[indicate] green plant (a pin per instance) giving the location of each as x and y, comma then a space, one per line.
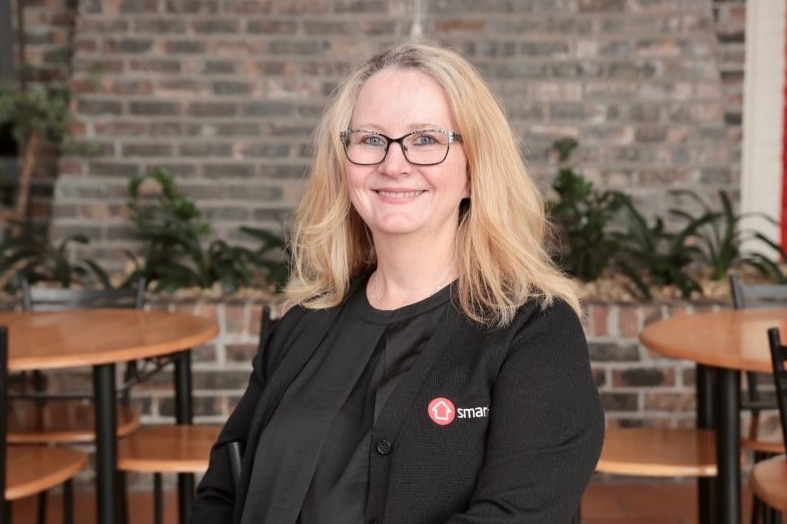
707, 244
27, 252
33, 114
722, 239
598, 232
650, 255
583, 217
177, 250
271, 257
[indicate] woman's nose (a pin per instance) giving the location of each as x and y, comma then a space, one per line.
395, 163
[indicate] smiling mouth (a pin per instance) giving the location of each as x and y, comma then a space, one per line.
399, 194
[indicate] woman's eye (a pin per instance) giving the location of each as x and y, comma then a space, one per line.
423, 140
373, 140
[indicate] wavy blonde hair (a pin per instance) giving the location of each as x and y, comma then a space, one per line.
500, 241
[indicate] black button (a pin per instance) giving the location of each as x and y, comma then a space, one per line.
384, 447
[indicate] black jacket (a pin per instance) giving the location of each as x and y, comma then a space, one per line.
526, 433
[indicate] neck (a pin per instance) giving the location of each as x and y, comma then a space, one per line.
389, 288
411, 268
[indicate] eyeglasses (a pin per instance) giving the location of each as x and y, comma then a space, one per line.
425, 147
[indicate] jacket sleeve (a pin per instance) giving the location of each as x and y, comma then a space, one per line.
546, 427
215, 498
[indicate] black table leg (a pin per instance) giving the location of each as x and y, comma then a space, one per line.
184, 415
706, 486
106, 444
728, 433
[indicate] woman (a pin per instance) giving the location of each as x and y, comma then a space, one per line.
433, 367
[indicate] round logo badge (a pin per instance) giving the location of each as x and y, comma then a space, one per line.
441, 411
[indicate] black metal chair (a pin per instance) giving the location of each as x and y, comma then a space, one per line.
46, 414
768, 477
27, 470
753, 397
42, 414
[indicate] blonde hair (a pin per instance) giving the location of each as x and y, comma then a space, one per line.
500, 241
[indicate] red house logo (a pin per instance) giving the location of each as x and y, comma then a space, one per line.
441, 411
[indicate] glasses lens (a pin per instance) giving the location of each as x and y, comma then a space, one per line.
364, 147
426, 147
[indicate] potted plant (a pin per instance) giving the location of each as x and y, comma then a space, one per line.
602, 239
178, 250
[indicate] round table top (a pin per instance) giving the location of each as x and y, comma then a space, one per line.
733, 339
58, 339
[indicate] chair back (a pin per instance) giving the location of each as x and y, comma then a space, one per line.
746, 296
778, 361
4, 506
266, 321
750, 296
58, 299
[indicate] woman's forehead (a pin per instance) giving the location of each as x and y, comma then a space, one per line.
402, 96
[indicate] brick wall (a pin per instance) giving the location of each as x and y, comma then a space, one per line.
730, 21
226, 93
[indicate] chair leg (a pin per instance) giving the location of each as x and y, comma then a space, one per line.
68, 501
122, 497
771, 516
42, 499
39, 383
158, 499
185, 496
756, 510
758, 507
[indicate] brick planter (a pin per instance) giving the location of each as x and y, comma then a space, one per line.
637, 386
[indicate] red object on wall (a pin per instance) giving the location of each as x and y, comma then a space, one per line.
784, 150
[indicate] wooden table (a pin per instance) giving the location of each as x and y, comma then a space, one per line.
722, 344
101, 338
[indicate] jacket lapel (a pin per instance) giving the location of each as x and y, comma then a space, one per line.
313, 327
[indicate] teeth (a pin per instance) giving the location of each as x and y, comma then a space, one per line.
399, 194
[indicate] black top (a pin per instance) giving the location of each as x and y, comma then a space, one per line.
525, 460
321, 431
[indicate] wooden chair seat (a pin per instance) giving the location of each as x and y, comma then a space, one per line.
768, 480
64, 421
33, 469
173, 448
658, 452
170, 448
770, 444
27, 470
